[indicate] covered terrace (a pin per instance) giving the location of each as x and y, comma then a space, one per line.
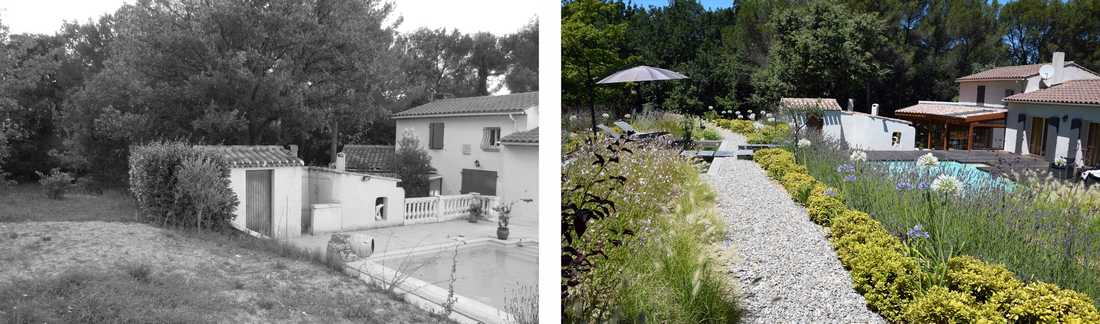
953, 125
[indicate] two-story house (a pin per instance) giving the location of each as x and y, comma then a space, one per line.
979, 120
487, 145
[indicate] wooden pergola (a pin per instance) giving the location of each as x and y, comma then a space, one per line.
936, 114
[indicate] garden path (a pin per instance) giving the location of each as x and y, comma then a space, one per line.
786, 269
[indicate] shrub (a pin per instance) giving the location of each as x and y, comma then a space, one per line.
154, 181
413, 165
739, 126
56, 183
1041, 302
799, 185
823, 207
711, 134
886, 278
203, 183
940, 305
979, 279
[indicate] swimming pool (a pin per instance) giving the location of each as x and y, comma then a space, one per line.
487, 273
969, 173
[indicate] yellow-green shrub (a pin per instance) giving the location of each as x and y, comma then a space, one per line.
854, 228
886, 278
822, 207
764, 156
1040, 302
740, 126
979, 279
799, 185
940, 305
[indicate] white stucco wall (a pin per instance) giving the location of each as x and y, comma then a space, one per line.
342, 201
1063, 142
868, 132
994, 90
459, 131
286, 186
520, 180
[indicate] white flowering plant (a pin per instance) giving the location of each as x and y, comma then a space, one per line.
947, 184
858, 156
804, 143
928, 160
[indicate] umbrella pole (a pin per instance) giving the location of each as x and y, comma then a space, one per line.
591, 97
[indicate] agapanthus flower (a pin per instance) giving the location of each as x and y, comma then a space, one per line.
771, 119
573, 117
917, 232
752, 116
928, 160
1060, 162
830, 192
627, 116
858, 156
845, 168
605, 115
947, 184
710, 107
922, 186
903, 186
850, 178
804, 143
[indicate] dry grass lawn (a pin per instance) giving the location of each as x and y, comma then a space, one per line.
125, 272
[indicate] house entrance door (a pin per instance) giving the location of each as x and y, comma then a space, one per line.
1037, 136
479, 181
258, 201
1092, 146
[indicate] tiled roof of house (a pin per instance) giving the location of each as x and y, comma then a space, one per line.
949, 110
510, 103
804, 103
369, 158
248, 156
530, 136
1014, 72
1082, 92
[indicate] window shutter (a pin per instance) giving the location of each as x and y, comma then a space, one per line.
436, 140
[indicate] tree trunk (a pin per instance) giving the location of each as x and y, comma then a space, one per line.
335, 139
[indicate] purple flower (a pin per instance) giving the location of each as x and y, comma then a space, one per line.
830, 192
903, 186
923, 186
846, 168
850, 178
917, 232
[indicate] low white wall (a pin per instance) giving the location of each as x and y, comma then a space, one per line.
868, 132
286, 186
354, 195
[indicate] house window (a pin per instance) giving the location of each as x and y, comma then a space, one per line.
895, 138
981, 95
435, 136
491, 139
380, 208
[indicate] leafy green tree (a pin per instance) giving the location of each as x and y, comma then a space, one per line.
413, 166
592, 37
820, 50
487, 59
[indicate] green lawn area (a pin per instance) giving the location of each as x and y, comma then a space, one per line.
85, 259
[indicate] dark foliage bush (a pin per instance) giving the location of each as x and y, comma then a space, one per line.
178, 184
413, 165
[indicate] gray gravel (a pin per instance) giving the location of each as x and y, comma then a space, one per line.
785, 268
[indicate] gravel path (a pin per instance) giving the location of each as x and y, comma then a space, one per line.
786, 270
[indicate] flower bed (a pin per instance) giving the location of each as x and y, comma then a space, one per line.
905, 282
644, 222
757, 133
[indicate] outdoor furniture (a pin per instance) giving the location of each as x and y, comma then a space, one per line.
754, 147
1090, 175
630, 131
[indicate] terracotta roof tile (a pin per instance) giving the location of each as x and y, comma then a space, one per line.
949, 110
525, 137
510, 103
1013, 72
370, 158
1083, 92
802, 103
250, 156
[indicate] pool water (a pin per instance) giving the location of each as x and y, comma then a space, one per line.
969, 173
487, 273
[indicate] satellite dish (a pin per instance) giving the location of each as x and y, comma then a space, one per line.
1046, 71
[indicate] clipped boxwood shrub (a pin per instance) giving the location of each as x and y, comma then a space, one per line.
979, 279
887, 278
940, 305
823, 207
1040, 302
799, 185
156, 184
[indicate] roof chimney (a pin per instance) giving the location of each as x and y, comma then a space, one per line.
874, 109
294, 150
851, 104
1059, 63
341, 161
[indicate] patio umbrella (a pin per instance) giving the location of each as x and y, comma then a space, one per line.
639, 73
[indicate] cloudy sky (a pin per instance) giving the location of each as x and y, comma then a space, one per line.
495, 16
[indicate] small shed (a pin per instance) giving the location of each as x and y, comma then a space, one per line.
268, 181
856, 129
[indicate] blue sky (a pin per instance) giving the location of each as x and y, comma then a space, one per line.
709, 4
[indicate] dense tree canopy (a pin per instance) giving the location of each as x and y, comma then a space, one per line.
317, 73
891, 52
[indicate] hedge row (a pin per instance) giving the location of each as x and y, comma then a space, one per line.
890, 278
769, 134
178, 184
